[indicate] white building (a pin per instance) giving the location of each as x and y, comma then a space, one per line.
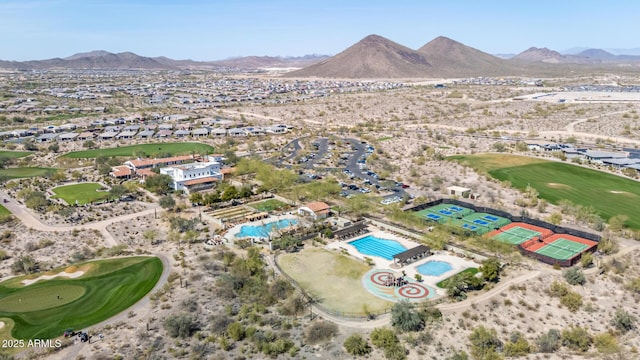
195, 176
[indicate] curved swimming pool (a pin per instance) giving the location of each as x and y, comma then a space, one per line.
263, 231
434, 268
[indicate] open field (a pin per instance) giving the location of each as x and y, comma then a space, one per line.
84, 193
335, 280
48, 307
153, 150
14, 154
23, 172
608, 194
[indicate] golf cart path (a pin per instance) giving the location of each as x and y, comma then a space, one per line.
139, 308
21, 212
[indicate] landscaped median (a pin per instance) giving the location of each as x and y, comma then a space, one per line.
44, 305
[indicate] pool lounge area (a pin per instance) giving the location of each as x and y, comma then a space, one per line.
261, 229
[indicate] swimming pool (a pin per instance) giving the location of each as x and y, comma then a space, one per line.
375, 246
264, 230
434, 268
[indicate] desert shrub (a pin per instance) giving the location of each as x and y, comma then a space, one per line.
606, 343
24, 264
490, 269
549, 342
383, 337
293, 306
572, 300
357, 345
623, 321
3, 255
484, 343
576, 338
459, 355
320, 331
517, 346
190, 305
405, 318
634, 285
181, 325
586, 260
558, 289
236, 331
574, 276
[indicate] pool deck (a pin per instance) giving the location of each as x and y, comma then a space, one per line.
457, 263
230, 235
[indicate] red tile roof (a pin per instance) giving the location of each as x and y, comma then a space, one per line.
205, 180
120, 171
318, 206
145, 172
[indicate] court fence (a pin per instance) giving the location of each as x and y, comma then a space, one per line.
555, 228
524, 250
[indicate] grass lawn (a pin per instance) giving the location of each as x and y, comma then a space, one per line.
84, 193
46, 308
4, 211
269, 205
23, 172
334, 279
152, 150
608, 194
14, 154
443, 284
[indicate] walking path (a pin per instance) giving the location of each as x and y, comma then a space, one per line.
21, 212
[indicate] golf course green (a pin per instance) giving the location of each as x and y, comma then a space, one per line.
47, 307
23, 172
152, 150
608, 194
84, 193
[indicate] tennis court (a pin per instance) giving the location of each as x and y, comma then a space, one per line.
562, 249
488, 220
516, 235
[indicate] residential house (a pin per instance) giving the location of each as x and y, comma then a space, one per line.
200, 132
145, 134
68, 136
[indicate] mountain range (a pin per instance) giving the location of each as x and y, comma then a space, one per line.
372, 57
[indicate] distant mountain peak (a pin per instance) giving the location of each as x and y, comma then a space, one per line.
90, 54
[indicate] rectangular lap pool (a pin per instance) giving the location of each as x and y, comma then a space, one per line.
375, 246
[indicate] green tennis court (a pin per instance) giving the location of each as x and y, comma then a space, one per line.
516, 235
562, 249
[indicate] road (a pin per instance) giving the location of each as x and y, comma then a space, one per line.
21, 212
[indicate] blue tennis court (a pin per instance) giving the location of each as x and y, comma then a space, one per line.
469, 227
490, 218
480, 222
434, 216
455, 208
445, 212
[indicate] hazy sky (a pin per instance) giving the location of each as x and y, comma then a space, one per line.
219, 29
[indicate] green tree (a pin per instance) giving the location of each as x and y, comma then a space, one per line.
181, 325
606, 343
617, 223
54, 148
117, 191
167, 202
383, 337
404, 317
89, 144
196, 198
490, 269
160, 184
484, 342
150, 235
574, 276
572, 300
586, 260
357, 345
229, 193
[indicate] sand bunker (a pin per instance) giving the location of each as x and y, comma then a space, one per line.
617, 192
1, 324
49, 277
